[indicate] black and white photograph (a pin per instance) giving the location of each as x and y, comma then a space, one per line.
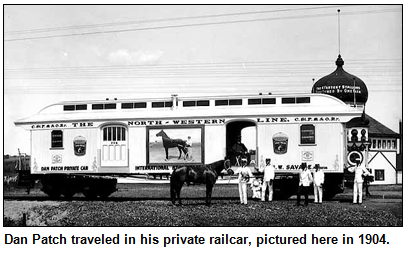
204, 115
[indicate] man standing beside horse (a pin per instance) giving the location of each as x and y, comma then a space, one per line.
244, 176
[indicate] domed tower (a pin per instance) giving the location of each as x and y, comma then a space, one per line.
353, 91
342, 85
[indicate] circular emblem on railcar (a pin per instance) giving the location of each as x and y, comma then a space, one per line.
355, 156
79, 146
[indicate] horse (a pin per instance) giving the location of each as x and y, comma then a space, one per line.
172, 143
200, 174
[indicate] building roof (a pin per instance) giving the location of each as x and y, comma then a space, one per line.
377, 129
340, 84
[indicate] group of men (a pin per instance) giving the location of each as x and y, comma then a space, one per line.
306, 180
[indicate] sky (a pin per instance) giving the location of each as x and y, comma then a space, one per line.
56, 53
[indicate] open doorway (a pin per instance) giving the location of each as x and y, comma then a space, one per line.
241, 142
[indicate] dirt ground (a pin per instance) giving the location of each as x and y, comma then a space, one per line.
384, 208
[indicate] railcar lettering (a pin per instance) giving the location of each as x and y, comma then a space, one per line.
152, 168
49, 126
177, 122
82, 124
299, 119
272, 120
64, 168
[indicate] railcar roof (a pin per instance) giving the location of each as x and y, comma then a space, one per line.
188, 107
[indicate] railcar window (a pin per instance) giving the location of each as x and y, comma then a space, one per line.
81, 107
235, 102
221, 102
161, 104
307, 134
69, 107
157, 104
97, 106
110, 106
195, 103
103, 106
127, 105
56, 139
254, 101
140, 105
114, 134
288, 100
228, 102
189, 103
303, 100
268, 101
202, 103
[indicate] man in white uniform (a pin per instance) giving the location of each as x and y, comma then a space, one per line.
304, 184
359, 170
244, 178
319, 178
268, 180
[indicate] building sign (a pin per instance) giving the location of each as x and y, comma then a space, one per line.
79, 146
307, 134
280, 143
173, 145
338, 89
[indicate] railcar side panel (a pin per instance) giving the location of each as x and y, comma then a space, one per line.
75, 152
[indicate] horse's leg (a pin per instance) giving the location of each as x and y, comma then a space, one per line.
173, 194
179, 194
180, 152
166, 154
209, 187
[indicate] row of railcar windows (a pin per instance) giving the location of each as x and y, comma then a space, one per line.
220, 102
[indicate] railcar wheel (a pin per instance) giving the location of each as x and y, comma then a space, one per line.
68, 193
90, 194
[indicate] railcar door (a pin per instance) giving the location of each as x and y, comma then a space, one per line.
114, 146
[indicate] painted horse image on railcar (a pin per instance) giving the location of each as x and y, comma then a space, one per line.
172, 143
199, 174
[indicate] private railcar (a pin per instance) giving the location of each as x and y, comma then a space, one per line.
83, 146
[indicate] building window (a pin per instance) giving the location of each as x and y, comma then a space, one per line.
307, 134
57, 139
374, 144
379, 175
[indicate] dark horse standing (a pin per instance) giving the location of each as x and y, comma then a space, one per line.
172, 143
202, 174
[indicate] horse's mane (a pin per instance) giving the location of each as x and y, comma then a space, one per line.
216, 166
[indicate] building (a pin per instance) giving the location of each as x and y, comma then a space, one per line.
383, 151
378, 146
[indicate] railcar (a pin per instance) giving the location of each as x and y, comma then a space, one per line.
83, 146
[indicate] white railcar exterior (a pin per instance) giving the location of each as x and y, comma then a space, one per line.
116, 136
